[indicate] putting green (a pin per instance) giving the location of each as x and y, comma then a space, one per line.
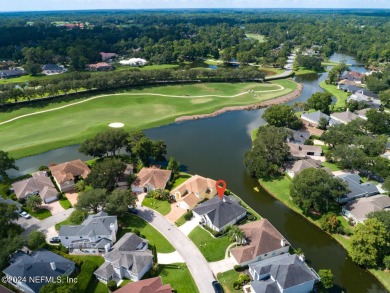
67, 123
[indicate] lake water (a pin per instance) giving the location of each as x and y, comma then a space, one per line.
215, 148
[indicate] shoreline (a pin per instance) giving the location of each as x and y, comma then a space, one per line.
283, 99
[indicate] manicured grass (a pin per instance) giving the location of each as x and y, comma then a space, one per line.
226, 279
125, 282
331, 166
340, 95
45, 131
180, 221
161, 206
40, 214
65, 222
159, 66
97, 287
65, 203
213, 249
331, 63
213, 62
269, 71
254, 134
180, 179
258, 37
382, 276
152, 235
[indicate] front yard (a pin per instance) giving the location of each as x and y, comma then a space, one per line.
226, 279
213, 249
40, 214
161, 206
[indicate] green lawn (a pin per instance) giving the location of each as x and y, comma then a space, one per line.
213, 249
340, 95
226, 279
180, 221
65, 203
38, 133
155, 238
161, 206
258, 37
269, 71
213, 62
302, 71
331, 166
40, 214
65, 222
382, 276
180, 179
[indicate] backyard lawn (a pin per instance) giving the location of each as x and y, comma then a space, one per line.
213, 249
161, 206
154, 237
137, 109
180, 179
226, 279
340, 95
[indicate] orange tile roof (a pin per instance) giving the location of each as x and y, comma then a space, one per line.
153, 176
152, 285
67, 171
196, 184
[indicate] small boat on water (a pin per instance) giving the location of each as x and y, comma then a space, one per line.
256, 189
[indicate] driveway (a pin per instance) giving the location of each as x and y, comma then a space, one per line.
175, 213
197, 264
224, 265
51, 232
188, 226
54, 207
169, 258
72, 197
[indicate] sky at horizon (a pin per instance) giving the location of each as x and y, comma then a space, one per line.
47, 5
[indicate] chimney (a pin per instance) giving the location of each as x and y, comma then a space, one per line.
283, 242
53, 265
107, 247
113, 232
301, 257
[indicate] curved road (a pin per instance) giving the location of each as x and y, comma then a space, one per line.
195, 261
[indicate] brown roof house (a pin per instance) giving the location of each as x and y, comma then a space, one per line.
151, 179
66, 174
344, 117
194, 190
301, 165
262, 240
358, 209
40, 184
304, 151
152, 285
100, 66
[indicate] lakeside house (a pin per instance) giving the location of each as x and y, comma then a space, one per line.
52, 69
217, 214
152, 285
134, 62
41, 264
95, 235
129, 258
313, 119
262, 241
14, 72
298, 137
356, 187
18, 206
150, 179
66, 174
39, 184
362, 98
353, 76
100, 66
123, 180
300, 165
193, 191
108, 56
299, 151
358, 209
282, 273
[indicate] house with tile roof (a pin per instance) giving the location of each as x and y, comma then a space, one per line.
129, 258
282, 273
358, 209
262, 241
344, 117
152, 285
353, 76
301, 165
39, 184
193, 191
356, 187
300, 151
218, 213
41, 264
66, 174
94, 235
150, 179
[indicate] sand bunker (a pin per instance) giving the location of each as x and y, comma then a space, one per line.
116, 125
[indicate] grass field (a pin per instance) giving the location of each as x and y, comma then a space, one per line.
258, 37
340, 95
161, 206
226, 279
45, 131
40, 214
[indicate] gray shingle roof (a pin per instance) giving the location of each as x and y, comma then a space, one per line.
37, 264
314, 116
287, 270
299, 136
220, 212
10, 201
358, 189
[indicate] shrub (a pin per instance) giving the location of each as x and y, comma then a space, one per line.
386, 262
241, 281
188, 216
111, 285
330, 222
77, 217
309, 142
136, 232
35, 240
227, 192
43, 168
252, 218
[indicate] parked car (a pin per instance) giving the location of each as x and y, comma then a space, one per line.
25, 215
132, 210
55, 240
217, 287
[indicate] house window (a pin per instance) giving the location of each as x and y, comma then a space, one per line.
66, 237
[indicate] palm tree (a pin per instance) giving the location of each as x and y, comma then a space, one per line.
235, 234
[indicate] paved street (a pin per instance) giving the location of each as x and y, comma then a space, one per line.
195, 261
169, 258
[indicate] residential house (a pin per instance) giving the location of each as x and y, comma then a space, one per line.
282, 273
134, 62
39, 184
344, 117
353, 76
298, 137
101, 66
151, 179
18, 206
66, 174
123, 181
301, 165
14, 72
360, 97
152, 285
51, 69
108, 56
129, 258
300, 151
218, 213
262, 241
41, 264
194, 190
357, 189
362, 113
92, 236
358, 209
312, 119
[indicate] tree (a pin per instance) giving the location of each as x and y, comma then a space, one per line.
34, 202
159, 194
282, 116
385, 98
35, 240
322, 123
381, 216
386, 184
235, 234
143, 148
329, 222
268, 153
119, 201
174, 166
111, 285
60, 287
320, 101
316, 189
349, 157
326, 278
386, 262
77, 217
369, 243
378, 122
7, 216
92, 200
33, 68
6, 163
106, 173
